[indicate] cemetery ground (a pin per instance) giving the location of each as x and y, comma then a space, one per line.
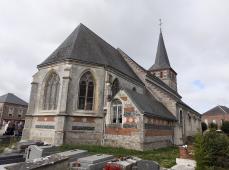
166, 157
8, 143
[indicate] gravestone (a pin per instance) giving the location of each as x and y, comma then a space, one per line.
122, 164
22, 145
74, 154
94, 162
147, 165
11, 158
34, 151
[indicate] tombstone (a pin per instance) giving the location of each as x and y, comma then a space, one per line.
147, 165
58, 161
22, 145
51, 162
94, 162
122, 164
74, 154
11, 158
34, 151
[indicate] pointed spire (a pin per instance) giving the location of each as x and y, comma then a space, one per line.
162, 60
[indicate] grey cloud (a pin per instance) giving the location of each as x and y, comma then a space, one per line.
195, 32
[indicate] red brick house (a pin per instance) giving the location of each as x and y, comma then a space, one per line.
12, 108
216, 115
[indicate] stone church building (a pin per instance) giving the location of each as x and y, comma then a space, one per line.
88, 92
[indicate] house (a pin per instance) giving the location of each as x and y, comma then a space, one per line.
12, 108
88, 92
216, 115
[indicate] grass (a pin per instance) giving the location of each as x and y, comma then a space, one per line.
166, 157
8, 144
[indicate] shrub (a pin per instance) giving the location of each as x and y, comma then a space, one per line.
225, 127
213, 126
211, 150
199, 153
204, 126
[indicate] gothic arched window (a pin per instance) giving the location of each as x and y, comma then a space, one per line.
115, 87
86, 92
117, 111
51, 92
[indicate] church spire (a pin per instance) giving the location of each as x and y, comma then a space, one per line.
162, 60
161, 67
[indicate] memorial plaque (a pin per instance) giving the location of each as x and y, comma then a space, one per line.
129, 125
83, 128
45, 126
161, 127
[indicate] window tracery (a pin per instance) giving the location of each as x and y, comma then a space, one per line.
86, 92
51, 92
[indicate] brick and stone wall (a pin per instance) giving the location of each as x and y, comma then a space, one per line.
41, 128
69, 124
167, 76
83, 130
128, 134
12, 112
158, 132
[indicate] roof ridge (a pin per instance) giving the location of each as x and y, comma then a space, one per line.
164, 113
85, 46
12, 98
77, 36
222, 109
152, 77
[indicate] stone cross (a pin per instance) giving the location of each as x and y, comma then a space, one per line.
160, 23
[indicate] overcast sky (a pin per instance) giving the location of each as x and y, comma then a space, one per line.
196, 34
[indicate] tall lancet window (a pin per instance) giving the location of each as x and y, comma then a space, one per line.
86, 92
115, 87
51, 92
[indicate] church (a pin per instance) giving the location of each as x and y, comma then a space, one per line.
88, 92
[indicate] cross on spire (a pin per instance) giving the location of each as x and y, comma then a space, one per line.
160, 23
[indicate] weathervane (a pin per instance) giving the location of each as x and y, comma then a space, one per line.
160, 23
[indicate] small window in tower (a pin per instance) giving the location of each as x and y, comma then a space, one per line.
161, 74
134, 89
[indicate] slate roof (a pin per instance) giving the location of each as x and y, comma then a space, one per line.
85, 46
218, 110
149, 106
151, 76
12, 99
187, 106
161, 60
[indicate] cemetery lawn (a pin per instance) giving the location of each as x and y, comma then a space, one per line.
166, 157
7, 144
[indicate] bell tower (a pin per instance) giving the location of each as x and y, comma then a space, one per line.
161, 67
